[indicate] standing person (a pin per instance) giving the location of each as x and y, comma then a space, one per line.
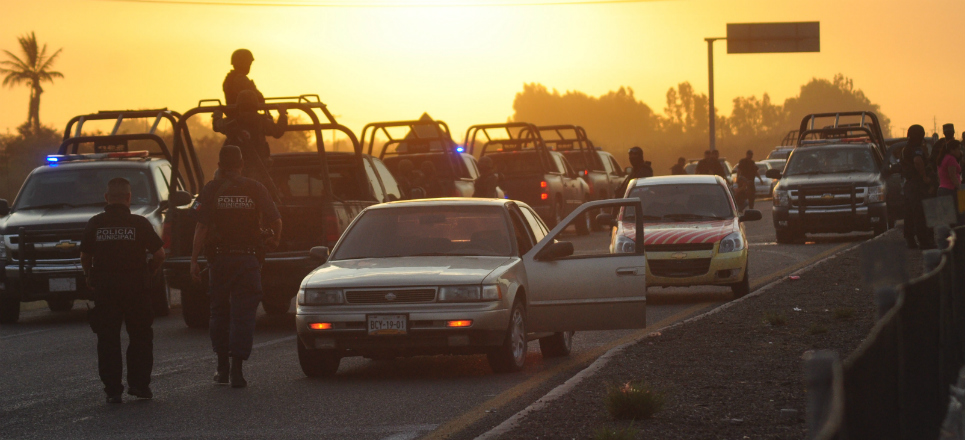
703, 166
113, 253
678, 169
640, 169
716, 168
746, 173
917, 233
237, 80
940, 147
950, 172
230, 212
488, 180
248, 130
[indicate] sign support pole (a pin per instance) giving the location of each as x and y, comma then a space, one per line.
712, 128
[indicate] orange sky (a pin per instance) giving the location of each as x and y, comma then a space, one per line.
465, 64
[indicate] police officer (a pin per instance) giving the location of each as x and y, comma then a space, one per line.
231, 211
917, 179
679, 168
237, 79
248, 130
488, 180
113, 253
639, 169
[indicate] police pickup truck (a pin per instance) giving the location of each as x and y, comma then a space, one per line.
40, 231
835, 180
319, 192
530, 172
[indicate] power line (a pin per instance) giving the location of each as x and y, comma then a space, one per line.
289, 4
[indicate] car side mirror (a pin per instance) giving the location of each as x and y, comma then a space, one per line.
4, 207
179, 198
751, 215
773, 174
627, 170
555, 251
319, 253
606, 220
582, 173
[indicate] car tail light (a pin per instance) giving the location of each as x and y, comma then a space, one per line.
462, 323
330, 224
544, 196
543, 184
321, 326
166, 235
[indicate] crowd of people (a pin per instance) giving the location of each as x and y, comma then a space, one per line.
927, 174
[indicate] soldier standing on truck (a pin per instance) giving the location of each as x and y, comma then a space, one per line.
237, 79
230, 211
113, 253
248, 130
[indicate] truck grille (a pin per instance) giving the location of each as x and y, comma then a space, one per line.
679, 268
390, 296
679, 247
46, 245
839, 196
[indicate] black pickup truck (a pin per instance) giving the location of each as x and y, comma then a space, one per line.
530, 172
424, 141
836, 179
320, 193
40, 232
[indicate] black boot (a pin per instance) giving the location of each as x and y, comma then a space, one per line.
221, 375
237, 374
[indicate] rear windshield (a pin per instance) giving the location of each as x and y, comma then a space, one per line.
440, 165
682, 203
517, 163
817, 160
81, 187
427, 231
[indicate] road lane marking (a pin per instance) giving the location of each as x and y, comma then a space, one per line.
480, 411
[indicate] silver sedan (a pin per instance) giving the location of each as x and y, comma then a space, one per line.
462, 276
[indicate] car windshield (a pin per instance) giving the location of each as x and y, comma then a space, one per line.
681, 203
80, 187
818, 160
517, 163
427, 231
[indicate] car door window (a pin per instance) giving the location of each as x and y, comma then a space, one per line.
471, 166
374, 181
567, 169
607, 164
392, 189
162, 183
524, 239
539, 230
558, 161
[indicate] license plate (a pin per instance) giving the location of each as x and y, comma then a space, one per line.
381, 325
62, 284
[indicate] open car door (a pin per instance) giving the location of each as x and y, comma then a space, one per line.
573, 291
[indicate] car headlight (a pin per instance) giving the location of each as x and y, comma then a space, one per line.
781, 198
876, 193
731, 243
319, 297
624, 245
470, 293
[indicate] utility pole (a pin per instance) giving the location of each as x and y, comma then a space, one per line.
712, 128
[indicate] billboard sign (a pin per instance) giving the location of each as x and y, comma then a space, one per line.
773, 37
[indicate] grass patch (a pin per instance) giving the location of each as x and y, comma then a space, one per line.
608, 433
817, 329
774, 319
843, 313
634, 401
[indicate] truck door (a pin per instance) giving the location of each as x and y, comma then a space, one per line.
586, 292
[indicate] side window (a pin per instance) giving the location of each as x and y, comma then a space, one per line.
566, 167
523, 237
607, 165
161, 182
616, 167
391, 185
538, 229
471, 165
374, 181
559, 164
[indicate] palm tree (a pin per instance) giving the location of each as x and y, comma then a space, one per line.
32, 70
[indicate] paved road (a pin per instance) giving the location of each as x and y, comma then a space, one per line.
49, 386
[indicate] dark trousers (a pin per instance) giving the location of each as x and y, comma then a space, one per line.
123, 298
235, 294
915, 225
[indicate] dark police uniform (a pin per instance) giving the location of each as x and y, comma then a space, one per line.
119, 242
232, 209
639, 171
915, 190
233, 84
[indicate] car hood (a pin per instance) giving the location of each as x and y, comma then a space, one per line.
829, 179
57, 218
682, 232
404, 271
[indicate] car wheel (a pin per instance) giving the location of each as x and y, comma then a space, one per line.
317, 363
9, 310
196, 307
558, 345
275, 306
511, 355
60, 305
159, 296
742, 288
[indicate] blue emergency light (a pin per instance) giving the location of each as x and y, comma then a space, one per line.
53, 159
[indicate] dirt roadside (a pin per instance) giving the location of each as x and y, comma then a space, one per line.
728, 375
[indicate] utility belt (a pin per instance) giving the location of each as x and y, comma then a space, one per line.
236, 250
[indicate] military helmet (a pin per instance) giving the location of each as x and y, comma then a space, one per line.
636, 150
241, 56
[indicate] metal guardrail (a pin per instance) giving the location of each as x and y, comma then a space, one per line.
896, 384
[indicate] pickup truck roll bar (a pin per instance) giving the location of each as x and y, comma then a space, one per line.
579, 140
525, 133
868, 123
440, 129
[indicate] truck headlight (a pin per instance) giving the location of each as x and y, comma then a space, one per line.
876, 193
731, 243
781, 197
319, 297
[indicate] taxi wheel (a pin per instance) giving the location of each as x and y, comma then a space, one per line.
742, 288
558, 345
60, 305
511, 356
317, 363
9, 310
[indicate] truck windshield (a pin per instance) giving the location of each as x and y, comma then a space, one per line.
819, 160
681, 203
427, 231
81, 187
517, 163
